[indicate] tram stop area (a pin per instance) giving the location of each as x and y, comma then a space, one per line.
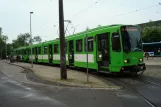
75, 78
153, 65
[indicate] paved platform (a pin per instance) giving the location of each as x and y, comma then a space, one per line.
153, 67
153, 61
75, 78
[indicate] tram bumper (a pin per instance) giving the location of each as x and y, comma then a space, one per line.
140, 67
134, 68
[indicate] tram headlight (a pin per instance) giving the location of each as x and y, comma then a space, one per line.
125, 61
141, 59
100, 56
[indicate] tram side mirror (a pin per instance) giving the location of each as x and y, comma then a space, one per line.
116, 47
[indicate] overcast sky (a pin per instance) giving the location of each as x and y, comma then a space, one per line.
14, 17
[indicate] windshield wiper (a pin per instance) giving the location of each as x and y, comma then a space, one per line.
136, 49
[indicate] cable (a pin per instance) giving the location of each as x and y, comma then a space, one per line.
130, 12
158, 1
138, 10
85, 9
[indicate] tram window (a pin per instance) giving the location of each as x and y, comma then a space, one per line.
56, 48
36, 50
29, 51
45, 49
39, 50
79, 45
66, 46
50, 49
90, 44
103, 42
33, 50
116, 42
24, 52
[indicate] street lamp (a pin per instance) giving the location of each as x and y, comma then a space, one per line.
31, 40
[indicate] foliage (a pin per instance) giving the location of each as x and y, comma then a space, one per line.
2, 46
5, 38
87, 28
151, 34
99, 26
37, 39
24, 40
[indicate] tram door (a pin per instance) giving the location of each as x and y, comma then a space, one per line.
50, 53
103, 50
36, 55
71, 53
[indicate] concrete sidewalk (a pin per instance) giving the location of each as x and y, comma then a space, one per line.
75, 78
153, 61
153, 67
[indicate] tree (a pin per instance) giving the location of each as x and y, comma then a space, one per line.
87, 28
22, 40
3, 39
99, 26
9, 49
2, 45
37, 39
150, 24
151, 34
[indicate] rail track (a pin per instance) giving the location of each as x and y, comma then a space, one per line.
152, 82
128, 87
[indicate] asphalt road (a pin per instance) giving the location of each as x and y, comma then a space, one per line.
21, 89
150, 91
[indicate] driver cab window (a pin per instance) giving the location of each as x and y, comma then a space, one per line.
116, 42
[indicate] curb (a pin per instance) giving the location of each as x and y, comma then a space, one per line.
63, 84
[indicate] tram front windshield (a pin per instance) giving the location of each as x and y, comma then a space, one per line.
131, 38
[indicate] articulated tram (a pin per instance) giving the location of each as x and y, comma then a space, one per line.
114, 48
